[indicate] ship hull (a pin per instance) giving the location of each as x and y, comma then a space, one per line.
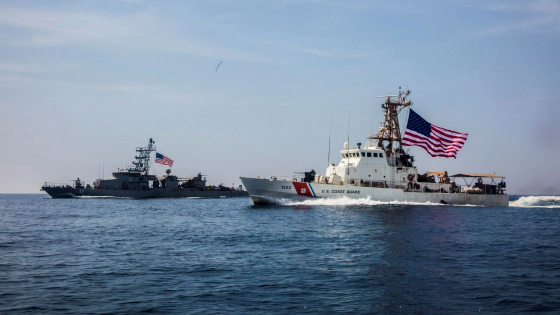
68, 192
265, 191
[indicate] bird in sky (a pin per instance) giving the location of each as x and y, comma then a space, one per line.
218, 65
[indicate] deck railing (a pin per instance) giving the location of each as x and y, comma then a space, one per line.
418, 187
55, 185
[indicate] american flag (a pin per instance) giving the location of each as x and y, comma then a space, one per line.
435, 140
162, 159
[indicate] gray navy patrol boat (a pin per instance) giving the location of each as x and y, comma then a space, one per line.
136, 182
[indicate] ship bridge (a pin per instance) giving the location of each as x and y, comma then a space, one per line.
371, 164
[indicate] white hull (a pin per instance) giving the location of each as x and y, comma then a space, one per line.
266, 191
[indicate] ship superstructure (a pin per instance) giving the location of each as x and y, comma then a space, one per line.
382, 161
382, 170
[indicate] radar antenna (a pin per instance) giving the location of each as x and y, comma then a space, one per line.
142, 162
390, 129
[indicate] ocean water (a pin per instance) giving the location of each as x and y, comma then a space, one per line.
226, 256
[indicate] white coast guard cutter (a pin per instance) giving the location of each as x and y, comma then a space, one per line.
383, 171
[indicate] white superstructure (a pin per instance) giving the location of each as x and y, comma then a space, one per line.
371, 165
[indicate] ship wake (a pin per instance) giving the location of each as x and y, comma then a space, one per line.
536, 202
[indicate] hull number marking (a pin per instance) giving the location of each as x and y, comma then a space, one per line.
286, 187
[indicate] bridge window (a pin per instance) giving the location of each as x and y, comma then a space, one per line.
369, 154
375, 155
363, 154
380, 154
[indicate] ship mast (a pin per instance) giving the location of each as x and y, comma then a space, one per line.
390, 130
142, 162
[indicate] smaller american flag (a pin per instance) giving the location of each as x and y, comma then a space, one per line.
162, 159
435, 140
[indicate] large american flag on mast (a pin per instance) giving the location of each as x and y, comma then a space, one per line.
435, 140
162, 159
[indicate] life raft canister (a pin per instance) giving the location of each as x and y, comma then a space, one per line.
410, 177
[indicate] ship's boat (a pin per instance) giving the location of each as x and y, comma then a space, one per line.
382, 170
136, 182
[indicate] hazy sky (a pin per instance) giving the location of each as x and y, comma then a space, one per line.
82, 83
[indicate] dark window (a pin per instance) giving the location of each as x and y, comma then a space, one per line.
380, 154
375, 155
369, 154
363, 154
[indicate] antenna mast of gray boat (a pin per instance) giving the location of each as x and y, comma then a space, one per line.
142, 162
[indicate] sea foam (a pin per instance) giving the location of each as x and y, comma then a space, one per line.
537, 202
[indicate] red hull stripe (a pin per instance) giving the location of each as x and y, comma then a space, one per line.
312, 190
303, 189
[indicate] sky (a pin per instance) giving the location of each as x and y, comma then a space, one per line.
83, 83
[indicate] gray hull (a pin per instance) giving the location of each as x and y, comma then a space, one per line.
266, 191
67, 192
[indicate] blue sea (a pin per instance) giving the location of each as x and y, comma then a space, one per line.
226, 256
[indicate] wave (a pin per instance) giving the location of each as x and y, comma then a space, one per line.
345, 201
536, 202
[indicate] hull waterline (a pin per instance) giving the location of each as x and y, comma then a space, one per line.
56, 192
